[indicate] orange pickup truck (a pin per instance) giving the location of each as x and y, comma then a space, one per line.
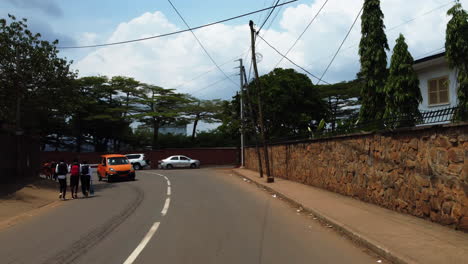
115, 166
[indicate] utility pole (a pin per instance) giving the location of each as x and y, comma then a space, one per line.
270, 178
254, 123
242, 112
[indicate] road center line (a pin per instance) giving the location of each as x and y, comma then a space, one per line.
153, 228
142, 244
166, 206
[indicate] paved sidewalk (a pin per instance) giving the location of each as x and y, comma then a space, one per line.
398, 237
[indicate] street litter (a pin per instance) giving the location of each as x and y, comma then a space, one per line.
315, 218
274, 195
379, 261
244, 179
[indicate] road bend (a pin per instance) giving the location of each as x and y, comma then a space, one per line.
176, 216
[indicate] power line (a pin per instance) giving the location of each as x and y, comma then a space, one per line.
397, 26
208, 71
212, 84
300, 36
199, 42
341, 45
271, 12
175, 32
277, 51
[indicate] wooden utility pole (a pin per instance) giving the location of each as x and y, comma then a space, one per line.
242, 112
254, 122
260, 113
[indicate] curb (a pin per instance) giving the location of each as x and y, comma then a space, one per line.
341, 227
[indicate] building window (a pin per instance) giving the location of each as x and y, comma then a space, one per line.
439, 91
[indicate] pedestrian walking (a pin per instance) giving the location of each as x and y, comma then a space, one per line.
75, 169
62, 170
85, 178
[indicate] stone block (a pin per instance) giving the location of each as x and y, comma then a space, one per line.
435, 204
435, 217
442, 157
447, 207
463, 224
442, 142
447, 220
455, 169
414, 144
456, 155
426, 209
456, 211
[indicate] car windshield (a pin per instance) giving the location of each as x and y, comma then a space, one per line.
117, 161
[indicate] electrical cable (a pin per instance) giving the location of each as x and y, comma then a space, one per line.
175, 32
212, 84
341, 45
394, 27
271, 12
199, 42
302, 68
210, 70
300, 36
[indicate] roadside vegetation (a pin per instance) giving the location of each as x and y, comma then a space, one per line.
41, 95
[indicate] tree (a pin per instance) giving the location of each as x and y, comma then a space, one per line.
157, 106
35, 82
294, 103
402, 92
373, 58
342, 100
456, 46
203, 110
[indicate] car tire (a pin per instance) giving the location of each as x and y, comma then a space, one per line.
169, 166
193, 166
99, 177
137, 166
109, 179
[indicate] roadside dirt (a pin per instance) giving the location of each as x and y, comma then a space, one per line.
26, 201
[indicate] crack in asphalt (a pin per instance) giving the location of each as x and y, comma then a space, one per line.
79, 247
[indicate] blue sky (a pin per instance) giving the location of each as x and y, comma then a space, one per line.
176, 60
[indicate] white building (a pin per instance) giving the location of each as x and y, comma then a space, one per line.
438, 83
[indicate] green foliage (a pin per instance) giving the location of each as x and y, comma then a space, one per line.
208, 111
291, 103
456, 46
341, 99
35, 83
156, 106
373, 58
402, 92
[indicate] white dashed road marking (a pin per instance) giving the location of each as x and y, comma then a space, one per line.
142, 244
153, 228
166, 206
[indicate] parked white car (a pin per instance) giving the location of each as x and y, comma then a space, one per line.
179, 161
138, 161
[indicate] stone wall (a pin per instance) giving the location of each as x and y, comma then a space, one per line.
421, 171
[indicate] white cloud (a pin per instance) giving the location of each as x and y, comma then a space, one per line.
177, 59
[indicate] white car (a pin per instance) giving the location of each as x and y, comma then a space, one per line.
138, 161
179, 161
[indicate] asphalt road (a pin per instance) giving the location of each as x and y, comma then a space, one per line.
208, 216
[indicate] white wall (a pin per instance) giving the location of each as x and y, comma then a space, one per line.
435, 71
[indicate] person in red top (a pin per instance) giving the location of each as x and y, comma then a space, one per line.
75, 169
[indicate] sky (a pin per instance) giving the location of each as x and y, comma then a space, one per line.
179, 62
